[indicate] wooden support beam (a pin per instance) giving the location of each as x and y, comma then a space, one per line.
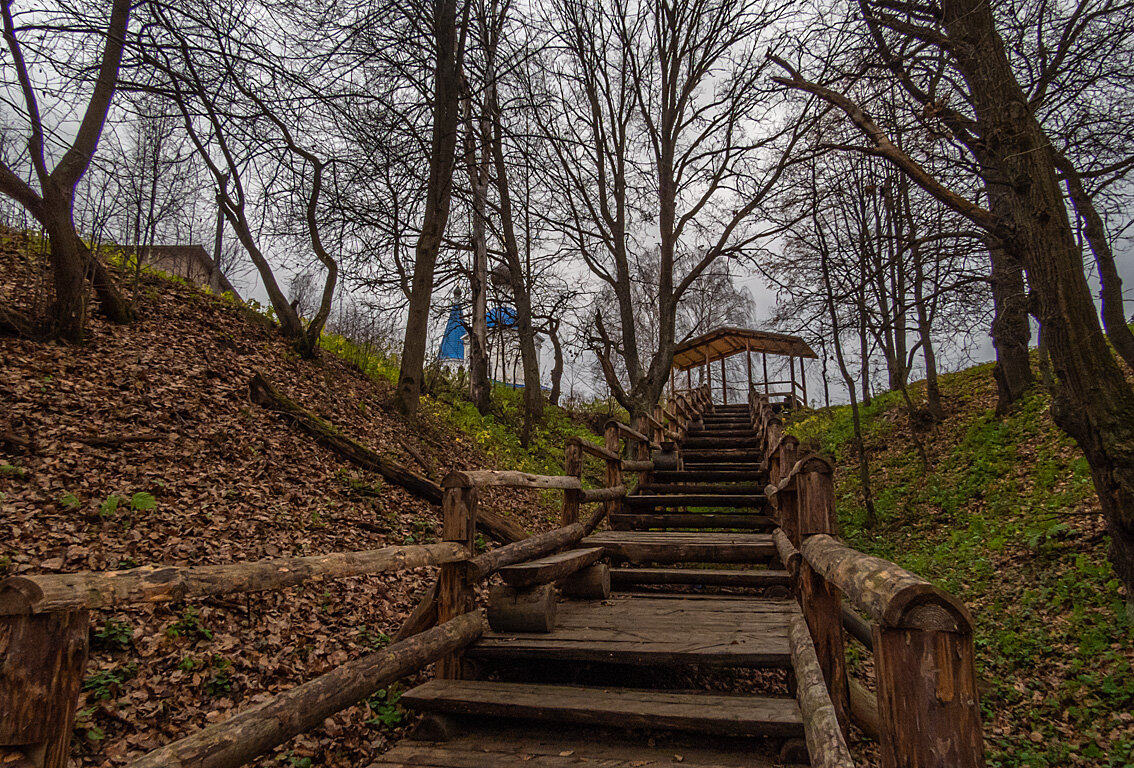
764, 361
572, 467
724, 383
485, 478
454, 591
613, 473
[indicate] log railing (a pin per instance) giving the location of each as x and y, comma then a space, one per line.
926, 710
45, 620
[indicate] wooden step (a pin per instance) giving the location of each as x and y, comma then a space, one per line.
550, 568
656, 630
712, 475
623, 521
704, 455
696, 500
704, 440
627, 708
696, 487
708, 577
729, 432
752, 468
682, 547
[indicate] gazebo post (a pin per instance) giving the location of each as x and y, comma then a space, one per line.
803, 381
708, 371
764, 359
791, 367
748, 361
689, 378
724, 383
672, 381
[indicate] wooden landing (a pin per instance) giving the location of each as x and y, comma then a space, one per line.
661, 630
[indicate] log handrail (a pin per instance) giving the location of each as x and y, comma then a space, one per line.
597, 451
592, 495
633, 434
812, 462
488, 563
163, 584
637, 466
825, 743
504, 478
242, 737
890, 595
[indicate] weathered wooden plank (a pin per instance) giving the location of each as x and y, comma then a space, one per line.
482, 478
714, 714
537, 546
690, 520
705, 576
649, 546
550, 568
697, 500
703, 488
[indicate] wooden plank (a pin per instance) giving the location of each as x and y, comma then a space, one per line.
689, 487
701, 630
648, 546
705, 576
550, 568
693, 520
697, 500
482, 478
742, 716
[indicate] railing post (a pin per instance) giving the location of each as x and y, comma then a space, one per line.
573, 466
642, 451
42, 660
613, 476
783, 460
928, 702
454, 592
815, 503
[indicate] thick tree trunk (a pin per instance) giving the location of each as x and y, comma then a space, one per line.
1011, 332
442, 160
557, 366
67, 315
478, 173
1094, 402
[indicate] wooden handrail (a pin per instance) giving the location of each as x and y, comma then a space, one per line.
637, 466
158, 584
242, 737
788, 554
890, 595
633, 434
485, 478
812, 462
493, 560
592, 495
597, 451
825, 743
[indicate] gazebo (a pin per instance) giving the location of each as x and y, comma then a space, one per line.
704, 350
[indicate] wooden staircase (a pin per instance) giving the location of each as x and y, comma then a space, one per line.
697, 594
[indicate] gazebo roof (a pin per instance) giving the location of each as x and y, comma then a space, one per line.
726, 342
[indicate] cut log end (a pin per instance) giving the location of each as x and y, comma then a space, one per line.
527, 610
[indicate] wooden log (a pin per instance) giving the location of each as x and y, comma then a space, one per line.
891, 596
257, 730
484, 478
815, 501
825, 742
857, 627
156, 584
264, 394
927, 699
864, 709
597, 451
613, 471
820, 602
536, 546
521, 610
591, 583
572, 466
627, 431
551, 568
42, 660
629, 465
591, 495
454, 590
788, 554
423, 617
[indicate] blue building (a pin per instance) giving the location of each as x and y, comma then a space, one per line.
504, 366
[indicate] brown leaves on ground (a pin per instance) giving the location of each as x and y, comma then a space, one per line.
141, 447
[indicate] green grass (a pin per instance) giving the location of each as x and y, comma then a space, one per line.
1006, 518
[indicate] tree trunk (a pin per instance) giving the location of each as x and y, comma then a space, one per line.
924, 330
1011, 332
557, 367
478, 173
1094, 403
442, 159
68, 310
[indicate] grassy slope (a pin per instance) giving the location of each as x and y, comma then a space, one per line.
1007, 518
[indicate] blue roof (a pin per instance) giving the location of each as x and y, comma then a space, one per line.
502, 316
452, 343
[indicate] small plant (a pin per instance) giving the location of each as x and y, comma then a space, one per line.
294, 761
372, 639
107, 684
109, 508
219, 681
128, 562
142, 502
187, 664
388, 713
189, 626
114, 634
70, 501
5, 562
12, 470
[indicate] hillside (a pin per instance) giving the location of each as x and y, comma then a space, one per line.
1006, 518
141, 447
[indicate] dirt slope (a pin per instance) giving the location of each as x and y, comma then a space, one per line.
214, 479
